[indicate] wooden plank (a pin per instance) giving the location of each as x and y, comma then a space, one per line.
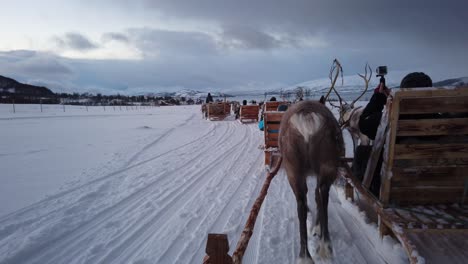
273, 116
393, 107
457, 104
271, 143
425, 195
431, 162
217, 247
379, 142
434, 176
440, 245
430, 92
272, 106
425, 151
432, 127
270, 126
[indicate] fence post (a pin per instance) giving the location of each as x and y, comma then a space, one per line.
14, 109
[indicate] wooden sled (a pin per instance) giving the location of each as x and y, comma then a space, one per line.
249, 113
271, 106
271, 122
218, 111
424, 175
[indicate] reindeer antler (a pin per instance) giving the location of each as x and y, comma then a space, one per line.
335, 66
366, 80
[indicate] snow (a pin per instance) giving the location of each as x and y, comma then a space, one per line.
147, 186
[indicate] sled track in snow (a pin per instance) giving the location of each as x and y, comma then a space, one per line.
102, 178
77, 237
160, 206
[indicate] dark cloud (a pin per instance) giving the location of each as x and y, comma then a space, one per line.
166, 43
115, 36
425, 22
28, 66
248, 38
75, 41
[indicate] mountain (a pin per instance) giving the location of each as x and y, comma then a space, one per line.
456, 82
9, 86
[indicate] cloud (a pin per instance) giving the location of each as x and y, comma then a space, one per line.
75, 41
40, 68
425, 22
168, 43
248, 38
115, 36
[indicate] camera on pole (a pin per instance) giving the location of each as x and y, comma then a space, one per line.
381, 72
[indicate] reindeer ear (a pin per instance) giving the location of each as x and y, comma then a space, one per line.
322, 100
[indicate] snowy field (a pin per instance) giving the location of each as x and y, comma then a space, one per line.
146, 186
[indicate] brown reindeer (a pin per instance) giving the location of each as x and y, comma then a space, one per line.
349, 114
311, 143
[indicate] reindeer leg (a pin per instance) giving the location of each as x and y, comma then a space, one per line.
318, 202
327, 176
299, 186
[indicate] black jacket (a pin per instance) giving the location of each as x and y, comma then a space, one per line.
370, 118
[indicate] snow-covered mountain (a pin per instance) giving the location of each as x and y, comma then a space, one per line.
456, 82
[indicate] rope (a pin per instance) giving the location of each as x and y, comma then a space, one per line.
249, 225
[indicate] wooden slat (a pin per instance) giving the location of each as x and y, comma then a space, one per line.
273, 116
393, 107
272, 106
429, 92
440, 245
435, 176
273, 126
424, 151
432, 127
457, 104
271, 143
431, 162
425, 195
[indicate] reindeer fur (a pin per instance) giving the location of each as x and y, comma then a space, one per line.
311, 143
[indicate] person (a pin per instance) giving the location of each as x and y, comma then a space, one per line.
273, 99
372, 113
244, 102
261, 124
370, 120
237, 109
209, 98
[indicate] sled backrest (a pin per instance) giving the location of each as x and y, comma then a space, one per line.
272, 106
426, 149
249, 112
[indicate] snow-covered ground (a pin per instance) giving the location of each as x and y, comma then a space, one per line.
147, 186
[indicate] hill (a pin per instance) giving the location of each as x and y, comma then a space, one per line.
9, 86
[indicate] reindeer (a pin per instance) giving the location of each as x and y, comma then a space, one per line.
349, 114
311, 143
204, 110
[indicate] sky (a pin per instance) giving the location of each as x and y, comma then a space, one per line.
143, 46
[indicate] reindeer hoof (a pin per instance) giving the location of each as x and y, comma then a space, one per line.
324, 250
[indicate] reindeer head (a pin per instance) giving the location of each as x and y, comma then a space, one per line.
346, 109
